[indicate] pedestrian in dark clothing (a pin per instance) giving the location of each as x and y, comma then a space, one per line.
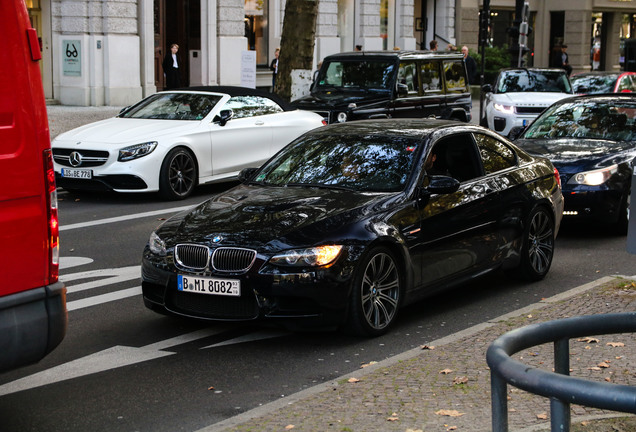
565, 62
274, 67
471, 66
171, 68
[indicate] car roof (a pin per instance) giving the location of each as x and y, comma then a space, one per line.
532, 69
402, 54
239, 91
406, 127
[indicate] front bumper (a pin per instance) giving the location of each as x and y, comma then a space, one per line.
594, 205
317, 298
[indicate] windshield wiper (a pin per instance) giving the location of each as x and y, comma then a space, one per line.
319, 186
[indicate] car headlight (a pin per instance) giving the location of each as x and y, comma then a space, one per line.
156, 245
136, 151
315, 256
507, 109
342, 117
595, 177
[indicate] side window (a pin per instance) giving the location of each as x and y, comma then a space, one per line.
495, 155
455, 156
431, 82
250, 106
407, 74
455, 76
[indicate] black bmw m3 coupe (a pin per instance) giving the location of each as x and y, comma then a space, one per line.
352, 221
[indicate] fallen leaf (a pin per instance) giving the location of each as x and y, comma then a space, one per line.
594, 368
603, 365
529, 316
210, 388
161, 219
449, 413
394, 417
445, 371
542, 416
588, 340
584, 423
615, 344
353, 380
288, 427
368, 364
452, 428
460, 380
426, 347
608, 379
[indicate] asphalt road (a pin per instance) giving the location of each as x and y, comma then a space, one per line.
122, 367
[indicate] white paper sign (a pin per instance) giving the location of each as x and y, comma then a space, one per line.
248, 69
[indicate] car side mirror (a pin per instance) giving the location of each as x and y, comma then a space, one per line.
515, 132
402, 90
124, 109
487, 88
223, 117
442, 185
246, 174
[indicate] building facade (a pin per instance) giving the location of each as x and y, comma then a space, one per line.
109, 52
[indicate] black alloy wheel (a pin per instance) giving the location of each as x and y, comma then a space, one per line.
376, 294
178, 175
538, 245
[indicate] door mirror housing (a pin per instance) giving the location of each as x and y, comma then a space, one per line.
223, 117
442, 185
246, 174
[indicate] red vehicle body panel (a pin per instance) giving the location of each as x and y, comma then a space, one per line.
32, 301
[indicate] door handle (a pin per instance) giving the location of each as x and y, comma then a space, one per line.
259, 122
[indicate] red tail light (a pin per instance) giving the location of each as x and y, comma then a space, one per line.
54, 228
557, 177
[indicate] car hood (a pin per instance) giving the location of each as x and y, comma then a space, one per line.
539, 99
274, 218
575, 153
124, 130
337, 99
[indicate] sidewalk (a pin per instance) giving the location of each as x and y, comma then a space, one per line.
445, 385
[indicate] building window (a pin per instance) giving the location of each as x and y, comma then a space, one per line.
256, 29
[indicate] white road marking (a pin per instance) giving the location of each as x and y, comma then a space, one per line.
111, 358
104, 298
123, 218
68, 262
259, 335
120, 274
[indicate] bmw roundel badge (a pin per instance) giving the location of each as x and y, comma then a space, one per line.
217, 239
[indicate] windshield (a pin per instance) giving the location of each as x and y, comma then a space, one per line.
356, 75
173, 106
524, 80
594, 83
362, 163
611, 121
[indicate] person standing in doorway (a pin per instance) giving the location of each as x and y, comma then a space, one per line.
274, 67
171, 68
565, 62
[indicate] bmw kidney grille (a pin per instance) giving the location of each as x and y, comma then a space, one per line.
197, 257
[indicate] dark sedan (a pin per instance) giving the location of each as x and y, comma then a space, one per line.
352, 221
592, 142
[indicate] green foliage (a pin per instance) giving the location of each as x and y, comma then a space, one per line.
496, 58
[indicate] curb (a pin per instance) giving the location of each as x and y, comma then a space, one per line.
299, 396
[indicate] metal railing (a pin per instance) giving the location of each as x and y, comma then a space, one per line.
561, 388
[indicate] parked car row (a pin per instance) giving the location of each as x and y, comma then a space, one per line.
342, 225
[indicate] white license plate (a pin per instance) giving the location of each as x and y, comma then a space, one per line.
204, 285
77, 173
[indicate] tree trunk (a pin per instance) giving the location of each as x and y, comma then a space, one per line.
296, 43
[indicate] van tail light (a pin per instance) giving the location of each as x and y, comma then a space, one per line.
557, 177
52, 217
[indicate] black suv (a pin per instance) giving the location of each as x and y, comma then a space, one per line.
390, 84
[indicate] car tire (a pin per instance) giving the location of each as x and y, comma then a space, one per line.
178, 175
537, 249
376, 295
623, 216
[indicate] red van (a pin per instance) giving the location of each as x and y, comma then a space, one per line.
33, 314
